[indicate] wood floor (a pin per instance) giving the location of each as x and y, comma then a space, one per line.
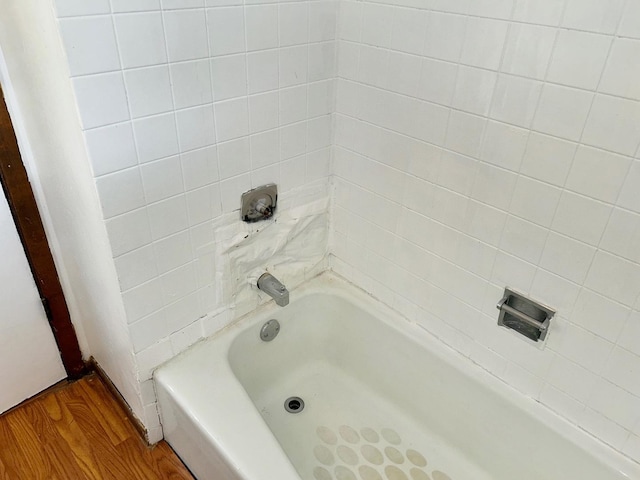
78, 431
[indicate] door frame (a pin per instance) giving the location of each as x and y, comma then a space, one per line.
24, 209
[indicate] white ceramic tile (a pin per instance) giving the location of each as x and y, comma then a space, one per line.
128, 232
263, 111
409, 30
231, 119
172, 252
293, 23
599, 315
182, 313
445, 36
178, 4
186, 33
515, 100
322, 20
349, 20
318, 165
142, 300
318, 133
293, 66
629, 195
147, 331
598, 174
178, 283
437, 81
562, 111
630, 333
234, 158
322, 61
136, 267
504, 145
614, 277
548, 158
585, 348
622, 74
567, 257
111, 148
265, 149
168, 217
581, 218
123, 6
528, 50
376, 27
561, 403
156, 137
630, 23
347, 62
226, 30
150, 358
523, 239
464, 133
543, 12
603, 428
571, 378
632, 447
196, 127
120, 192
263, 71
622, 235
199, 167
594, 15
370, 59
162, 179
512, 271
494, 185
191, 82
148, 91
293, 140
185, 337
140, 39
484, 42
262, 26
73, 8
578, 59
292, 173
231, 190
321, 97
90, 44
613, 125
615, 403
101, 99
204, 204
535, 201
474, 89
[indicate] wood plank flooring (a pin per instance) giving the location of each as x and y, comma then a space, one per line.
78, 431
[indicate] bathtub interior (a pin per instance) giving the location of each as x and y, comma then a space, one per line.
360, 370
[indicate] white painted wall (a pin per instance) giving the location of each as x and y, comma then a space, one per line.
29, 357
481, 144
35, 79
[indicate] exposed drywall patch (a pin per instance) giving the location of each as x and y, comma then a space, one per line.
292, 246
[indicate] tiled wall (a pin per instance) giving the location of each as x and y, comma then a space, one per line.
185, 104
488, 143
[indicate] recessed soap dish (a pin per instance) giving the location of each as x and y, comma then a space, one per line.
524, 315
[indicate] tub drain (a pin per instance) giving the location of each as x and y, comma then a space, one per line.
294, 404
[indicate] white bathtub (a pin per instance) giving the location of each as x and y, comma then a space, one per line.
382, 397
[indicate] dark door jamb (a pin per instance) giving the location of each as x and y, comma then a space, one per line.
26, 216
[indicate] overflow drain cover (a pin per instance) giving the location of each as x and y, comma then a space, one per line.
294, 404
